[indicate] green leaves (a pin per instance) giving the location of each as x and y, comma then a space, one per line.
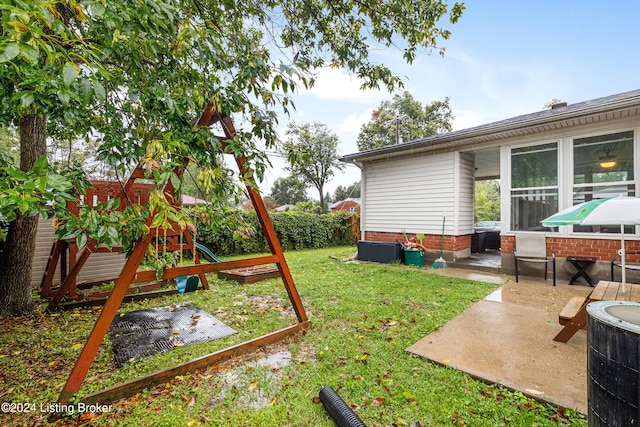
69, 73
32, 192
136, 74
104, 223
9, 51
312, 154
408, 117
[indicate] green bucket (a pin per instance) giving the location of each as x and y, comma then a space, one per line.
414, 257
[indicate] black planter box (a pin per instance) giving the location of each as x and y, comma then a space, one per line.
385, 252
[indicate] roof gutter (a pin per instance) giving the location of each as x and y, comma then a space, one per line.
466, 136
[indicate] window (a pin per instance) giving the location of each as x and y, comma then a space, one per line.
353, 209
603, 167
534, 185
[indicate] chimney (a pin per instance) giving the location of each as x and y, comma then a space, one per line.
558, 105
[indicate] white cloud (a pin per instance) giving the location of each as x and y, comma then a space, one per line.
465, 120
335, 84
354, 122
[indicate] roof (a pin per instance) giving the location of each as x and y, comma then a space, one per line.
190, 200
283, 208
558, 117
338, 203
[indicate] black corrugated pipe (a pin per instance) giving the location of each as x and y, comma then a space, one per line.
338, 409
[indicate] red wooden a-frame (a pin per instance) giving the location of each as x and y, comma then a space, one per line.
130, 275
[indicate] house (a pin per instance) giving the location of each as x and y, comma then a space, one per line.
350, 205
545, 161
186, 200
283, 208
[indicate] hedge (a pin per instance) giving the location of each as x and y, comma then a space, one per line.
295, 230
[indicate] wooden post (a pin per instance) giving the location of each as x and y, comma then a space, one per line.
129, 274
90, 349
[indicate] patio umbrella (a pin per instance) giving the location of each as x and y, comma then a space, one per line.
621, 210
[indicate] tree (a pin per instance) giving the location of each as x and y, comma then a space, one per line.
343, 193
404, 118
487, 200
269, 203
134, 75
550, 104
312, 152
289, 191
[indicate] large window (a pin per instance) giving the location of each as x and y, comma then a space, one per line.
603, 167
534, 185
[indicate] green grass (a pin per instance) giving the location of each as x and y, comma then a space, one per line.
363, 315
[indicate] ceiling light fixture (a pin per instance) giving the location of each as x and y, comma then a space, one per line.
608, 161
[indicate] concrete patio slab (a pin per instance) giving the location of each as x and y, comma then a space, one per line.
507, 338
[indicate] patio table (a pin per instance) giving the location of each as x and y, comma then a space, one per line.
604, 291
581, 264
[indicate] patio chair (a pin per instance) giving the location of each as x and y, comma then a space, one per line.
533, 248
632, 262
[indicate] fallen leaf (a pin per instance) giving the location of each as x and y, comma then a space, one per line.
460, 422
191, 402
87, 416
378, 401
76, 346
536, 392
408, 395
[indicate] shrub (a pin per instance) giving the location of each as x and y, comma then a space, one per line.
295, 230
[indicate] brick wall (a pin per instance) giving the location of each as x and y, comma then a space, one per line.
431, 241
600, 249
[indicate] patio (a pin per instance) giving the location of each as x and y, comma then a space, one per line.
507, 338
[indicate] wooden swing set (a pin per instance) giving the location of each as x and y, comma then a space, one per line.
130, 275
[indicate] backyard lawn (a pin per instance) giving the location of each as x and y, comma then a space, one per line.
363, 316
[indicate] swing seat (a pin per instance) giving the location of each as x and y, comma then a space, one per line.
187, 283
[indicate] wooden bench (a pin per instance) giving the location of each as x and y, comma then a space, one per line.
570, 310
604, 291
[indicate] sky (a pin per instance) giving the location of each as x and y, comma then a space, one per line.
504, 59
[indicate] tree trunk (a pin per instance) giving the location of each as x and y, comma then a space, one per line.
320, 188
17, 256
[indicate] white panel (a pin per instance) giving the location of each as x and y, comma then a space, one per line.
99, 266
44, 241
465, 195
409, 194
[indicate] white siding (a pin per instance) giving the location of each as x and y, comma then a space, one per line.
44, 240
464, 205
410, 194
99, 266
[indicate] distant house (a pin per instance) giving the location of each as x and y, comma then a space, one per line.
192, 201
545, 161
283, 208
349, 205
